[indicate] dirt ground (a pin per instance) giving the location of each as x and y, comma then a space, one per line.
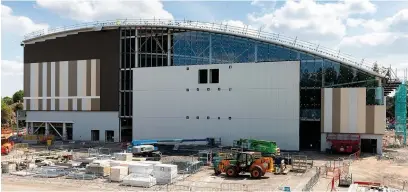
391, 170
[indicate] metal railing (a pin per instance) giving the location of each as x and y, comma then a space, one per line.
317, 49
309, 185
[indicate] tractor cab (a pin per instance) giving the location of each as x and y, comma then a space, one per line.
245, 159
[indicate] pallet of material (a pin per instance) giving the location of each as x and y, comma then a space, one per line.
139, 180
118, 173
98, 170
123, 156
165, 173
140, 168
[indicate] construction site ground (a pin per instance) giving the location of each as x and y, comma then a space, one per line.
391, 168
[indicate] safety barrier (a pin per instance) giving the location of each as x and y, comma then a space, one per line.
309, 185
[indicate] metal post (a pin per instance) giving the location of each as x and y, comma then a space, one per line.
136, 50
47, 130
168, 48
64, 131
31, 130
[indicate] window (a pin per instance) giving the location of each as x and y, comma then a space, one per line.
214, 75
202, 76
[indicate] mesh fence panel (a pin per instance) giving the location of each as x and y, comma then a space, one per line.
401, 111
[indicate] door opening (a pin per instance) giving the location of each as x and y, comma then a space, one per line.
109, 136
369, 146
95, 135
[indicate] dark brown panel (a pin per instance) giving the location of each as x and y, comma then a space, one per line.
57, 81
70, 104
27, 104
336, 114
57, 104
72, 79
40, 106
48, 82
95, 104
40, 80
27, 79
102, 45
370, 119
88, 77
98, 79
79, 105
48, 104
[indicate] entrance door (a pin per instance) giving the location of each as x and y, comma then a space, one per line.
95, 135
109, 136
369, 146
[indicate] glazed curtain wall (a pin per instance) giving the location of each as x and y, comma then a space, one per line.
177, 47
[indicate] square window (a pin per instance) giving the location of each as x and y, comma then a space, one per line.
202, 76
214, 75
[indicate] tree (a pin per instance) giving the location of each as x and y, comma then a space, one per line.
8, 100
18, 96
6, 113
17, 107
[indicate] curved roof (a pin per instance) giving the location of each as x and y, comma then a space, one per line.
259, 35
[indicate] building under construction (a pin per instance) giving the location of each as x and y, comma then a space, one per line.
140, 79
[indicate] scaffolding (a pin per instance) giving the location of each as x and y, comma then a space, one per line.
401, 112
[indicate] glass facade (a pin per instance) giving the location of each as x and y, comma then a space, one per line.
176, 47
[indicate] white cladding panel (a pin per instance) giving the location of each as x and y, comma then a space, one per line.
263, 103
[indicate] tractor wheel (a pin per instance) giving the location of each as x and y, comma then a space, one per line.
256, 173
217, 172
231, 172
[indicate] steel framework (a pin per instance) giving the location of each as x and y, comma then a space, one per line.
335, 55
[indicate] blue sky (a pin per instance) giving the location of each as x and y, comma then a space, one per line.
375, 30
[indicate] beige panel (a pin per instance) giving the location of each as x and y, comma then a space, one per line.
379, 119
344, 110
93, 77
98, 78
336, 120
88, 78
322, 111
361, 110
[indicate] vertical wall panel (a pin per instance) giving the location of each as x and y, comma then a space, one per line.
88, 77
361, 114
53, 85
353, 110
72, 78
63, 88
328, 109
81, 81
93, 77
336, 111
34, 85
44, 85
57, 84
74, 104
98, 78
27, 80
344, 110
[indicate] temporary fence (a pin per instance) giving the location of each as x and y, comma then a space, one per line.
309, 185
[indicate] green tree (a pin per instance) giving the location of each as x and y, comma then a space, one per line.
17, 106
18, 96
6, 113
8, 100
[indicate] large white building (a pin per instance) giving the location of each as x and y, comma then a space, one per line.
149, 79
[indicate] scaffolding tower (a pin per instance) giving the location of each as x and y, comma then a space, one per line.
401, 111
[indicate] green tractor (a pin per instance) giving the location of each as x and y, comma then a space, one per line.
267, 148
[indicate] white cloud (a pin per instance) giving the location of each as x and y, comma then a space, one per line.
92, 10
311, 19
11, 77
19, 25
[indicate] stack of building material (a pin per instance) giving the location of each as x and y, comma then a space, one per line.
151, 162
140, 168
98, 169
123, 156
139, 180
139, 159
164, 173
118, 173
